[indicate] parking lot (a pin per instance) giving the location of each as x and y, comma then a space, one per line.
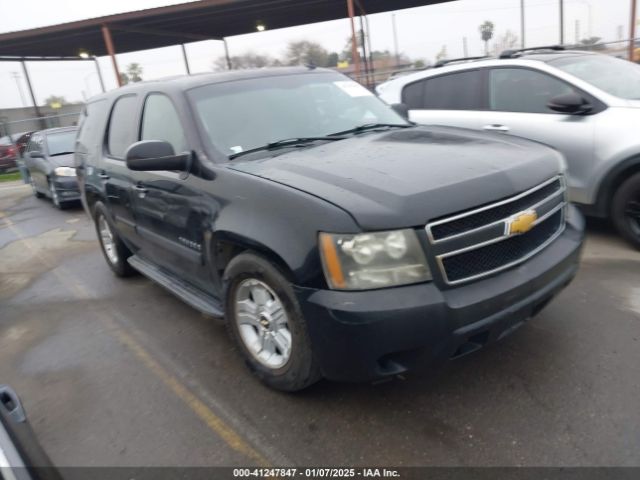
119, 372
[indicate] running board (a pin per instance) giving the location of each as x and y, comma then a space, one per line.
199, 300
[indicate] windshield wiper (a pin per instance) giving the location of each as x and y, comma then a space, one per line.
372, 126
287, 142
60, 153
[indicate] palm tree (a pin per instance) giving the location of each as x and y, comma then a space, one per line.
486, 32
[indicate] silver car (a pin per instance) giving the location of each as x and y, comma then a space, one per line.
584, 104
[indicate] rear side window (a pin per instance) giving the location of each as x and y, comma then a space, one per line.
122, 126
160, 121
523, 90
91, 124
455, 91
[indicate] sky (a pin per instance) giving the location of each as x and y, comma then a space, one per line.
422, 33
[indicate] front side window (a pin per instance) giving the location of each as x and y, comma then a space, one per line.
615, 76
61, 143
160, 121
35, 144
523, 90
245, 114
455, 91
122, 126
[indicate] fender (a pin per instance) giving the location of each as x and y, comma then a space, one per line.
610, 183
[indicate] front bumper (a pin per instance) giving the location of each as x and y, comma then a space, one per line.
360, 336
67, 188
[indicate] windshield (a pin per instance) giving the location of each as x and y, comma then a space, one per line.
616, 77
246, 114
62, 142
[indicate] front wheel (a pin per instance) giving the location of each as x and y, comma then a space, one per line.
55, 196
625, 210
265, 320
114, 250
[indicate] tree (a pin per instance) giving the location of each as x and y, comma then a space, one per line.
55, 101
332, 60
304, 52
442, 54
486, 33
507, 41
133, 74
245, 61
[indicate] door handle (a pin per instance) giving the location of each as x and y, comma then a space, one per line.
103, 176
496, 128
140, 190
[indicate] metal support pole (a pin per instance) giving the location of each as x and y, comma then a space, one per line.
561, 22
106, 34
365, 61
522, 25
395, 39
33, 97
632, 31
186, 59
226, 54
95, 59
354, 39
465, 48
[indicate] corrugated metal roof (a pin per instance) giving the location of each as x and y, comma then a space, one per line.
183, 23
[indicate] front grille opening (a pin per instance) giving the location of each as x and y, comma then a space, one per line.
496, 255
500, 212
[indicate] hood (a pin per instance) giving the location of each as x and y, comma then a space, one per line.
65, 160
404, 178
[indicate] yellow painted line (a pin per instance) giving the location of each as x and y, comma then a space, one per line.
197, 406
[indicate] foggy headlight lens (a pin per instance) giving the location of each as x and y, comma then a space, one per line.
373, 260
65, 172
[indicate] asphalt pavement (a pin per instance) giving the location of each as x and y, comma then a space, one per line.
117, 372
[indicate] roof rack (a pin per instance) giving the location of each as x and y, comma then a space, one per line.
515, 53
442, 63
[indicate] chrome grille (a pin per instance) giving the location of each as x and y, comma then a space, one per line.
477, 243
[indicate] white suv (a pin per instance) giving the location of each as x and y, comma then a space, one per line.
584, 104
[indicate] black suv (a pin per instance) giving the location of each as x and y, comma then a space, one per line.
336, 238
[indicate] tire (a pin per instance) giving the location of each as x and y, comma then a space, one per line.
55, 198
286, 370
36, 193
116, 253
625, 210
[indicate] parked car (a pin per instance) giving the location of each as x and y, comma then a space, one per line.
337, 239
22, 141
8, 154
586, 105
49, 160
21, 457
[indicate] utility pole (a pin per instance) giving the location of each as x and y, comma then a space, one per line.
354, 40
395, 39
577, 30
522, 27
16, 77
465, 48
561, 22
632, 33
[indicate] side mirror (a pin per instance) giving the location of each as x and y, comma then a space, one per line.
571, 103
401, 109
36, 154
155, 155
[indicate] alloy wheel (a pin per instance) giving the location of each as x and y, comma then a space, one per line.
54, 194
262, 323
107, 239
632, 212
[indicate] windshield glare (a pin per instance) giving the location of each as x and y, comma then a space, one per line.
61, 142
613, 75
241, 115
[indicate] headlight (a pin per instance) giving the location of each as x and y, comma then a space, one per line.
65, 171
373, 260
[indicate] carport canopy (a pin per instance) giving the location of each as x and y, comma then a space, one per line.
183, 23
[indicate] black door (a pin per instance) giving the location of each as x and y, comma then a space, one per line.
170, 212
118, 180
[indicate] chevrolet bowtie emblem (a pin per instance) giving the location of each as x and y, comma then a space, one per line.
521, 222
